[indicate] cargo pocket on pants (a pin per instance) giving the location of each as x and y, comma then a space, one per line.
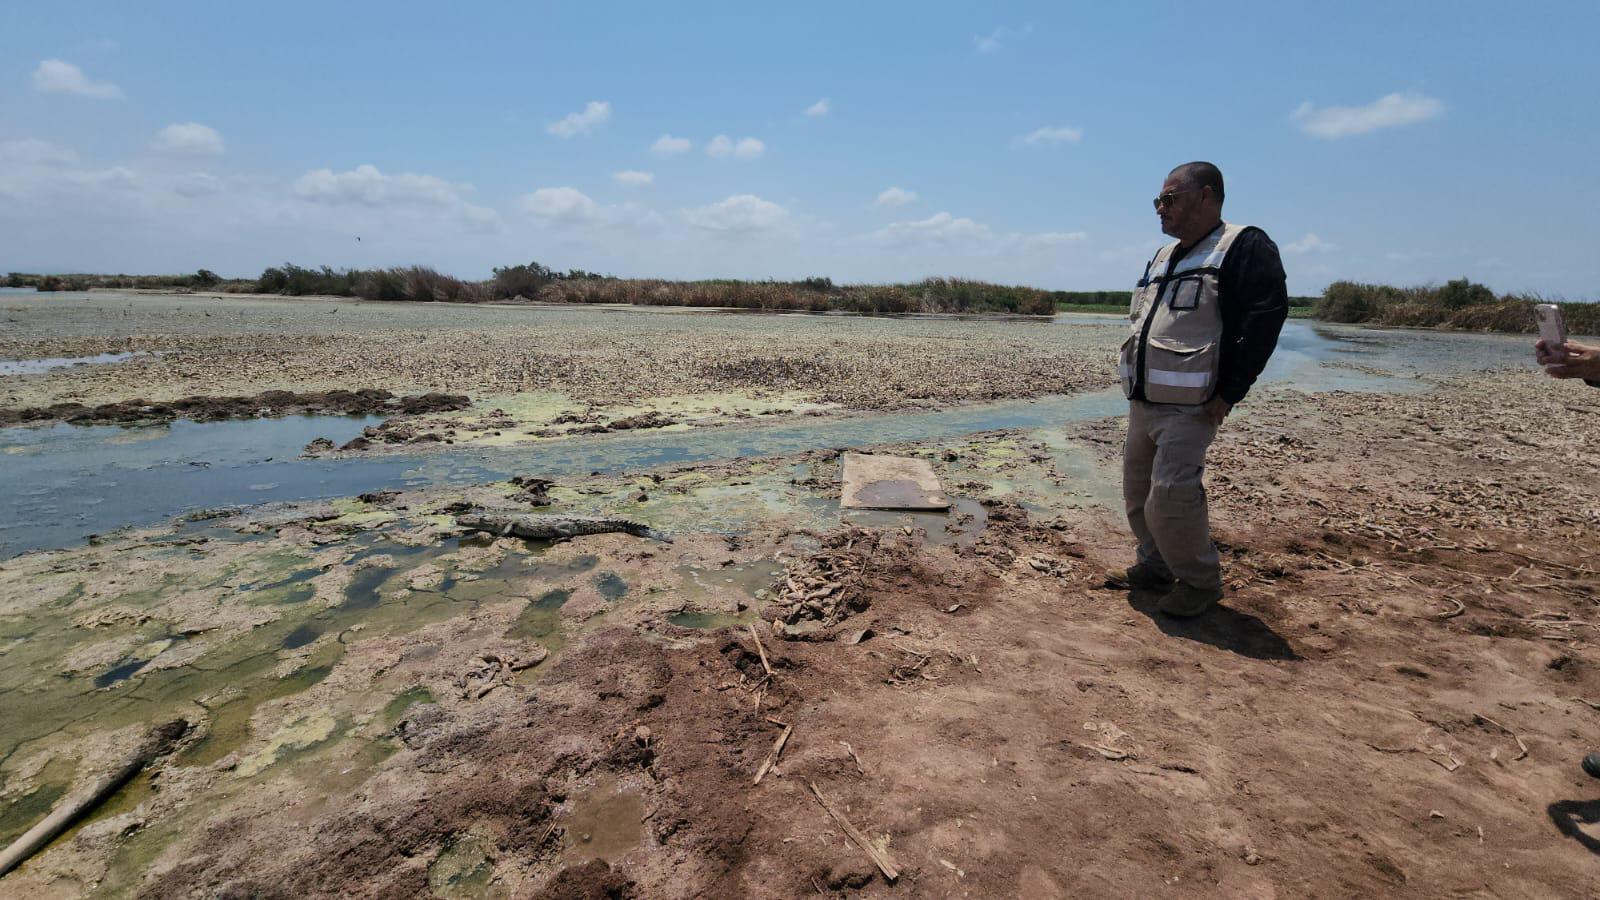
1181, 497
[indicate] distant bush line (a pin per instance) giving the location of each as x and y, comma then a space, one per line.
534, 282
205, 279
1066, 300
1460, 304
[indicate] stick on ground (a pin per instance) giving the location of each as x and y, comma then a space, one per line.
1520, 745
159, 742
765, 666
879, 858
777, 751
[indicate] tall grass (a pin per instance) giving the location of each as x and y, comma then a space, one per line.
204, 279
932, 295
532, 282
1458, 304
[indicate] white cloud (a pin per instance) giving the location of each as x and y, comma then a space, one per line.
895, 197
989, 43
30, 151
119, 177
366, 186
943, 230
572, 207
1310, 244
1049, 137
197, 184
596, 113
633, 178
54, 76
188, 137
723, 147
741, 212
819, 109
1390, 111
1045, 240
561, 204
939, 228
667, 145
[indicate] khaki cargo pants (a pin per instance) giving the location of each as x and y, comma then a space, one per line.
1162, 464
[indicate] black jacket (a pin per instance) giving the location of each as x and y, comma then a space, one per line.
1254, 295
1255, 302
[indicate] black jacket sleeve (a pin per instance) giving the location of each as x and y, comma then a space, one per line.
1255, 303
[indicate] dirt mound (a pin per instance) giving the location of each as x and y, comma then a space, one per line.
210, 409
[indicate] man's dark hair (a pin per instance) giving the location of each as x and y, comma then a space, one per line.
1202, 174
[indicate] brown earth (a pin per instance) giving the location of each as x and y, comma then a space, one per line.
1391, 702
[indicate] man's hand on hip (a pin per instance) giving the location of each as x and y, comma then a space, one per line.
1217, 409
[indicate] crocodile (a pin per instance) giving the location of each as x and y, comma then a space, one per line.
547, 527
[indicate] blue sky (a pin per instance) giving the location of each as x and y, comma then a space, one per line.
1395, 142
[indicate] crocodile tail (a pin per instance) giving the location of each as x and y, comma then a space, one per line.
639, 529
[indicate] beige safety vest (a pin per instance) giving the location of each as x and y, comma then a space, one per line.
1176, 320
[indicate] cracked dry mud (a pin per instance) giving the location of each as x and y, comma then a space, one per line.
1391, 700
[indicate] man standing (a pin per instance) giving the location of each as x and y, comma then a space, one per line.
1205, 318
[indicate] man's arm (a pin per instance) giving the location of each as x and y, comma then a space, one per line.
1256, 298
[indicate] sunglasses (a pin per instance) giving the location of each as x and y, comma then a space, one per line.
1166, 198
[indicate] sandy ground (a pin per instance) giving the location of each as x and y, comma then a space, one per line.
1390, 702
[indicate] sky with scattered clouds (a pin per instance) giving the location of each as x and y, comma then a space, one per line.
1015, 142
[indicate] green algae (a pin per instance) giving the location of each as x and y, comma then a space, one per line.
17, 816
541, 619
401, 703
464, 869
297, 736
230, 722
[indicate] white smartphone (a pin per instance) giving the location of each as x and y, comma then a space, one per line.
1552, 327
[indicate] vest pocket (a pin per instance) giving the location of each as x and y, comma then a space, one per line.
1186, 293
1179, 372
1127, 358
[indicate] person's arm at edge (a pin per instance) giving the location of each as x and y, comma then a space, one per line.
1263, 290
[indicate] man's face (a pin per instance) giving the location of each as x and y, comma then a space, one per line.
1184, 211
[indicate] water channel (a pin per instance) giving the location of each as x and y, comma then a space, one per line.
65, 482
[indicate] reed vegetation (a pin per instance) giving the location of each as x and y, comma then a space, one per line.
1460, 305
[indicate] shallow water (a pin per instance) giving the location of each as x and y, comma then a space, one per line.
67, 482
40, 366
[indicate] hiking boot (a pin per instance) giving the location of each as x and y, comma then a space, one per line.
1148, 577
1186, 600
1591, 764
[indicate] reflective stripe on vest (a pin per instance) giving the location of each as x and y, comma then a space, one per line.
1177, 379
1175, 320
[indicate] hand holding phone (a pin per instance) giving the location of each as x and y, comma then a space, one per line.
1552, 329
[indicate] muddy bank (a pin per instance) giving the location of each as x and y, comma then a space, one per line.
212, 409
236, 346
1391, 700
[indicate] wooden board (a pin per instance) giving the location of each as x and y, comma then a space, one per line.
890, 482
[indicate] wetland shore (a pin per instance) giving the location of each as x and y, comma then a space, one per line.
1391, 701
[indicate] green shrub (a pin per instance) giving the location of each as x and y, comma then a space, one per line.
382, 284
1461, 293
519, 281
